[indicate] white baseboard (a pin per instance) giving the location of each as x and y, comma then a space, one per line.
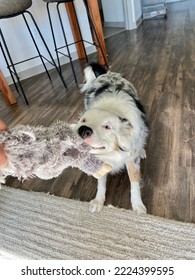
138, 21
114, 24
172, 1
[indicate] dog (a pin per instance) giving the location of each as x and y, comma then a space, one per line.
115, 126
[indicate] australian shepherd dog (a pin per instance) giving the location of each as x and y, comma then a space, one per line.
115, 126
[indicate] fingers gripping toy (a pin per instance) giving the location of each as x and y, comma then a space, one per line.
45, 152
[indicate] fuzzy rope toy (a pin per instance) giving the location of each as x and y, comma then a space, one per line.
44, 152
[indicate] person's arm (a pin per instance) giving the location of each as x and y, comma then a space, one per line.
3, 157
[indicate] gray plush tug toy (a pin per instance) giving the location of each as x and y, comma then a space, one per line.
44, 152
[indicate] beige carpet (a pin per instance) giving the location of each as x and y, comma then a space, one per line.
40, 226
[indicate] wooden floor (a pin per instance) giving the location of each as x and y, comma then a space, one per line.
110, 31
159, 59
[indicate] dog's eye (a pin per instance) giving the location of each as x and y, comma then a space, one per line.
106, 126
83, 120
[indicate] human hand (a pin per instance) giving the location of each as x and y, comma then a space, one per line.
3, 157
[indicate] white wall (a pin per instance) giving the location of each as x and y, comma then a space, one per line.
172, 1
113, 10
133, 13
22, 47
137, 9
128, 11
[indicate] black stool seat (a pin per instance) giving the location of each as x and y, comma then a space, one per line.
13, 7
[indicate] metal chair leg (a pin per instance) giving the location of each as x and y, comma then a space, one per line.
48, 51
13, 66
95, 32
80, 34
35, 44
66, 42
8, 67
53, 36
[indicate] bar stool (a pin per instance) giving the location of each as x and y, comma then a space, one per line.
13, 8
66, 44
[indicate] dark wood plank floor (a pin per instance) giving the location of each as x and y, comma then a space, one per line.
159, 59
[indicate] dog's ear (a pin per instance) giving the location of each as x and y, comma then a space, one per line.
124, 135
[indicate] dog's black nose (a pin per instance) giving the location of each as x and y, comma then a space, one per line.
85, 131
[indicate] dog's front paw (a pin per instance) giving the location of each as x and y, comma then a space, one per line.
139, 208
96, 205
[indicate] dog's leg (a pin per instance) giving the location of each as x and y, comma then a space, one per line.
134, 175
97, 203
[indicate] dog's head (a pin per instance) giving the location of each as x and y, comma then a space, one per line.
104, 131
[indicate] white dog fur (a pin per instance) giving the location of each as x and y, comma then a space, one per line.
115, 127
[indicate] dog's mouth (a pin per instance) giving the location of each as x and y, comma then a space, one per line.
95, 147
98, 148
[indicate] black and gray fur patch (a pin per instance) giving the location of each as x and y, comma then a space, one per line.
104, 87
125, 121
140, 106
97, 69
111, 82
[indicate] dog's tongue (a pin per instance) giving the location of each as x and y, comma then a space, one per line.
88, 140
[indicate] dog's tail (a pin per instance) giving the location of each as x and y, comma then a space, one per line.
97, 69
91, 72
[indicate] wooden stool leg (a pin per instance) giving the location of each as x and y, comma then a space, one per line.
5, 89
95, 16
75, 29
